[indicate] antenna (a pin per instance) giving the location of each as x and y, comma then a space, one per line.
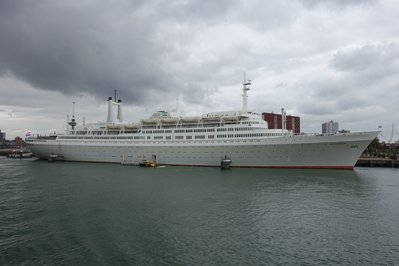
115, 94
392, 133
73, 122
67, 123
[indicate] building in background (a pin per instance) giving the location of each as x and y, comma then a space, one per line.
329, 128
2, 137
275, 122
19, 142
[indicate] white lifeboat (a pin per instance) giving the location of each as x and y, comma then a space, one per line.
211, 118
230, 118
150, 121
190, 119
170, 120
132, 126
114, 126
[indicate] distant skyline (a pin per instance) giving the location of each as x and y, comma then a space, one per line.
321, 60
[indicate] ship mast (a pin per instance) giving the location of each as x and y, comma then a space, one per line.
245, 88
73, 122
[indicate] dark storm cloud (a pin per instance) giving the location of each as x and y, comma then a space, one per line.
85, 47
147, 50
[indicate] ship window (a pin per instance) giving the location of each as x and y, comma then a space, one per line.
179, 137
168, 137
211, 136
200, 137
189, 137
158, 137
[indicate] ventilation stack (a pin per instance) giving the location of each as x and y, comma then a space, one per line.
110, 118
119, 116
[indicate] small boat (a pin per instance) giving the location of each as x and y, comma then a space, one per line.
19, 154
148, 163
225, 163
52, 158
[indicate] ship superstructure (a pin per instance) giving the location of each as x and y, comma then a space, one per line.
242, 136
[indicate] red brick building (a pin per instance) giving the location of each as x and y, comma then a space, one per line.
275, 122
19, 142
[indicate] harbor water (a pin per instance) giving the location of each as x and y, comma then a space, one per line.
108, 214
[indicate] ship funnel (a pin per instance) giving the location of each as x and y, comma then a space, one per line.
119, 116
110, 118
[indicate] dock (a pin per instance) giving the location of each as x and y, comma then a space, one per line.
376, 162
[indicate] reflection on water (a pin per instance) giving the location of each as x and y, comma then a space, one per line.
82, 213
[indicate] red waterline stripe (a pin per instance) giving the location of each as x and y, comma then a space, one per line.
235, 166
279, 167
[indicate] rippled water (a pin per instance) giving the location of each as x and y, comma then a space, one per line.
78, 213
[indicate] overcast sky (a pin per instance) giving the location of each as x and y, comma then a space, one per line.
319, 59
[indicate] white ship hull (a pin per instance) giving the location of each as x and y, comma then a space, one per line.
335, 151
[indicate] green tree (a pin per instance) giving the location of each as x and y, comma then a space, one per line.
374, 148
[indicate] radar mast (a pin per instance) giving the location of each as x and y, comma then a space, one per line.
245, 88
73, 122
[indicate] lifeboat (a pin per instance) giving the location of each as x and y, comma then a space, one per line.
114, 126
132, 126
190, 119
211, 118
150, 121
230, 118
170, 120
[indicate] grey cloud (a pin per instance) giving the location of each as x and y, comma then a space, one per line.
153, 51
368, 76
367, 58
371, 69
96, 47
195, 10
91, 48
336, 3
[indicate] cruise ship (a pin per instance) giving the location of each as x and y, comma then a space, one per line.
240, 138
